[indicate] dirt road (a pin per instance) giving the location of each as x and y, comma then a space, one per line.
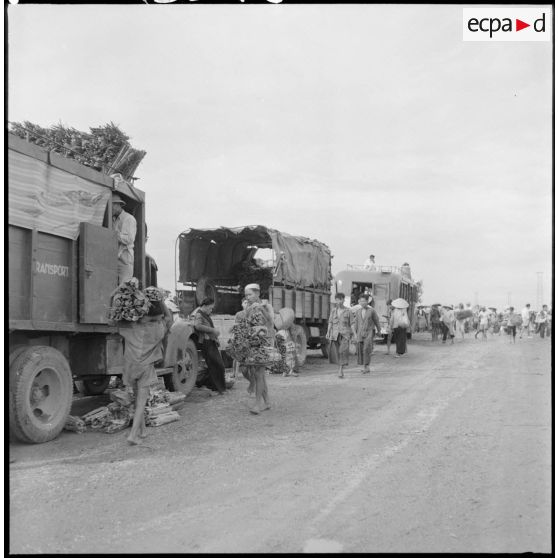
445, 450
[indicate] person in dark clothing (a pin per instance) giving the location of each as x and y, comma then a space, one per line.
208, 339
435, 322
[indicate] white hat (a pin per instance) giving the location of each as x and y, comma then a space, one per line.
252, 287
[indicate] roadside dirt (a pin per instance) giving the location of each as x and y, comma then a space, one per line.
445, 450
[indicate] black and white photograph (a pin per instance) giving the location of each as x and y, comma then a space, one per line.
280, 277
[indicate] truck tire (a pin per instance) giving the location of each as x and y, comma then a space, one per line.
185, 370
15, 352
93, 386
299, 338
206, 288
40, 394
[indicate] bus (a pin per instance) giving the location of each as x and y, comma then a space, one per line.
383, 284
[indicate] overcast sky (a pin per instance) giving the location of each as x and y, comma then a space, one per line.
372, 128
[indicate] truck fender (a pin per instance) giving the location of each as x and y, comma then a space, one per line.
180, 331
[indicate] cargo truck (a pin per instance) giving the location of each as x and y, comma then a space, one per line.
62, 271
292, 271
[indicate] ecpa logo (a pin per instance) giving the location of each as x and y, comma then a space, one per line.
506, 24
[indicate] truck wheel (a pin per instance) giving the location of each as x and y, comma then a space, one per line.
299, 338
185, 371
93, 386
40, 394
206, 288
15, 352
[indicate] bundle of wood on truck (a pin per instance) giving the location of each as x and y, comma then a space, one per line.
105, 148
130, 303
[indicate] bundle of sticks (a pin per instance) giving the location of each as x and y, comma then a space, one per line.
161, 407
105, 148
75, 424
129, 303
280, 366
250, 344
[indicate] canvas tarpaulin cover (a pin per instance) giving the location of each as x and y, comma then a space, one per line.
216, 253
51, 200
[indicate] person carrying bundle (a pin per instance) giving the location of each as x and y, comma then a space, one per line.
143, 347
255, 307
399, 323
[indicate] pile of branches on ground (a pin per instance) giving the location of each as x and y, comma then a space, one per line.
161, 408
105, 148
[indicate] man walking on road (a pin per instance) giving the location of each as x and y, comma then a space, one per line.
526, 318
541, 320
364, 322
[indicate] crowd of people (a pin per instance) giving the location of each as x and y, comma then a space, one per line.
446, 322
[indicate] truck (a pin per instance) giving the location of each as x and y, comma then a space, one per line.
384, 283
292, 271
62, 272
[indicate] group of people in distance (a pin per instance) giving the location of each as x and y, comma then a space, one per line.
445, 321
359, 325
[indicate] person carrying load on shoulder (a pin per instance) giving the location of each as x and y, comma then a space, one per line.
143, 347
399, 323
253, 343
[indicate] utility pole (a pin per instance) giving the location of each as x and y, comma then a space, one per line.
539, 289
509, 298
476, 298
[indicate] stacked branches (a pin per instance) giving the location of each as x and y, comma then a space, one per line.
105, 148
280, 366
250, 343
129, 303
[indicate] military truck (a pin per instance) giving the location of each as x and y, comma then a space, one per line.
292, 271
62, 271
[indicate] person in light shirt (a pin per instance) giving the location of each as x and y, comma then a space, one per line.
125, 226
370, 264
484, 318
526, 319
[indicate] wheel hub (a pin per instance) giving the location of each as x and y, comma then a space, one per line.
183, 367
44, 396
